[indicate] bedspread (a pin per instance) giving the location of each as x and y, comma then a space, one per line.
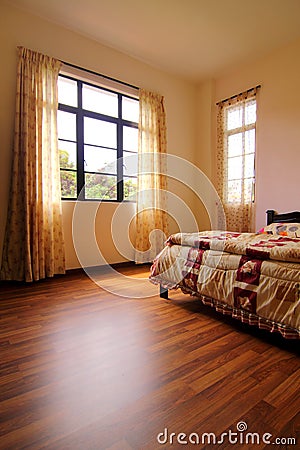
258, 245
251, 274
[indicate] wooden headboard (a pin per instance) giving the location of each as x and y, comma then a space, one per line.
274, 217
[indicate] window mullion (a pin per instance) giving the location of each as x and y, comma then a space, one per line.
120, 183
240, 129
80, 146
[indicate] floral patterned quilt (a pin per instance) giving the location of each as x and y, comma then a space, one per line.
255, 277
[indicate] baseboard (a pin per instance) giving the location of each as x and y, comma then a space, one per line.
77, 270
115, 266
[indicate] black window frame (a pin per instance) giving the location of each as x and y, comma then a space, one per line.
120, 122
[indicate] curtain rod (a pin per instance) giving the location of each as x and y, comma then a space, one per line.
234, 96
100, 75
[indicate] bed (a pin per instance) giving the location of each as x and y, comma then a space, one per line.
254, 277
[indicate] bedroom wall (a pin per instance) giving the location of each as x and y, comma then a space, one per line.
20, 28
205, 143
278, 126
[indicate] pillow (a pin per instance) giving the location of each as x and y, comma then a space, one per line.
282, 229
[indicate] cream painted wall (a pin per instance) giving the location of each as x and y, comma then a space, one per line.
19, 28
278, 126
191, 121
205, 143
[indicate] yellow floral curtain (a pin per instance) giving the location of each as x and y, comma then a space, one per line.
240, 214
33, 246
151, 215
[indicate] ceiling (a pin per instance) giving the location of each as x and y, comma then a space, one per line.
194, 39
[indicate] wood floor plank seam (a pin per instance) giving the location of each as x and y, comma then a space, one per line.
81, 368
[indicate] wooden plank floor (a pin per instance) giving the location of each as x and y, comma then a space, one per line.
83, 369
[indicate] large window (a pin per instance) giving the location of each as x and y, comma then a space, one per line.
98, 141
239, 145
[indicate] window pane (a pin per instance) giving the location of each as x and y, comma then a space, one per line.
130, 109
130, 189
100, 187
249, 165
234, 193
99, 100
130, 163
130, 138
100, 159
250, 112
100, 132
235, 144
234, 117
235, 166
67, 91
250, 141
68, 181
66, 125
248, 186
67, 154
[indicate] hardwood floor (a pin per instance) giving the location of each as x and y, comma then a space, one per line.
82, 368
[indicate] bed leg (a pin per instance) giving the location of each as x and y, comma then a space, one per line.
163, 292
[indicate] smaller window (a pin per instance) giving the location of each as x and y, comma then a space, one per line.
239, 143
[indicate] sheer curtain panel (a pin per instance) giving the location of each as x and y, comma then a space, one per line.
34, 246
